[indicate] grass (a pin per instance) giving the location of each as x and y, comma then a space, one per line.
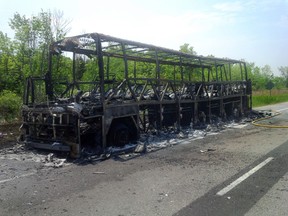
262, 98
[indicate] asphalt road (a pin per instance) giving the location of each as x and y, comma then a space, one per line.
241, 170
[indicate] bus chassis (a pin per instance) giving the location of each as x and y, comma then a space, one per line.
107, 90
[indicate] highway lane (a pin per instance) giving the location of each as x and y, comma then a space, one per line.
242, 198
179, 180
260, 189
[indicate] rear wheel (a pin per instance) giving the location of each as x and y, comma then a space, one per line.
120, 135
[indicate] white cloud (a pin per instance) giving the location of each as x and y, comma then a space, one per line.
155, 28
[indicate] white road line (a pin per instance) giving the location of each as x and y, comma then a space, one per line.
243, 177
16, 177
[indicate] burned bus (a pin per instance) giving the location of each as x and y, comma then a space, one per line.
102, 91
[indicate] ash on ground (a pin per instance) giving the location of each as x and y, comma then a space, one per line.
149, 142
19, 152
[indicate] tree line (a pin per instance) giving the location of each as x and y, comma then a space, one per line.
26, 54
260, 76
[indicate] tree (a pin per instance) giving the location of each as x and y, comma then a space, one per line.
27, 54
7, 63
32, 38
260, 76
284, 73
279, 82
60, 25
186, 48
267, 71
197, 73
257, 78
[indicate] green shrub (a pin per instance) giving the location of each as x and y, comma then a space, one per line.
10, 104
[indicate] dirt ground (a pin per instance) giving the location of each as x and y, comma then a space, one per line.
9, 134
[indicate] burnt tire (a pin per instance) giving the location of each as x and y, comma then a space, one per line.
120, 135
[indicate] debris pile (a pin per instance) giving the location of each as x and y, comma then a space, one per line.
149, 142
52, 161
20, 153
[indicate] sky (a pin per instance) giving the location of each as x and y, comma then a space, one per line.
252, 30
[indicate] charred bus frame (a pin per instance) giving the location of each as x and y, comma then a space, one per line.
119, 88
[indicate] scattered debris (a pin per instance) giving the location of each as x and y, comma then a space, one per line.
162, 196
99, 173
150, 142
52, 161
18, 148
50, 157
211, 149
181, 135
208, 150
140, 148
